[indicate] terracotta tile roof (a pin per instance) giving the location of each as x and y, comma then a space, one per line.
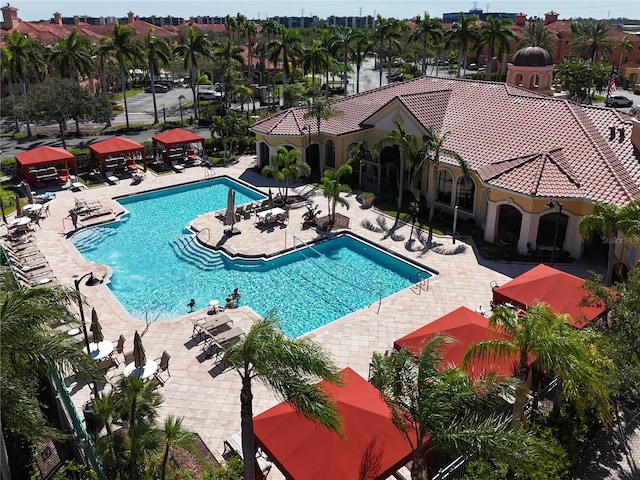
513, 138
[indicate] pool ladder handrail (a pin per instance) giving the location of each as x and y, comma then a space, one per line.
419, 280
193, 238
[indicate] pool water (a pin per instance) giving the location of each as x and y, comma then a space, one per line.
308, 287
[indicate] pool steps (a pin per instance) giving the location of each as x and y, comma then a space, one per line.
203, 258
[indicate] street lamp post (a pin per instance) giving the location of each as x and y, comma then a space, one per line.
552, 204
180, 99
91, 281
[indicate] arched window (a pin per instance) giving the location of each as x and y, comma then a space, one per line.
519, 79
535, 82
445, 187
465, 193
329, 154
264, 154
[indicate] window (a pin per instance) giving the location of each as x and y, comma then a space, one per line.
329, 154
445, 185
264, 154
465, 194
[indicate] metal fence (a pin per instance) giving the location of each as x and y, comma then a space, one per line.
457, 468
83, 443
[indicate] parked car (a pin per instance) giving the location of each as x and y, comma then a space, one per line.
158, 88
395, 77
618, 101
443, 63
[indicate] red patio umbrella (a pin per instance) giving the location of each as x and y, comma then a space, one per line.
467, 327
371, 448
561, 291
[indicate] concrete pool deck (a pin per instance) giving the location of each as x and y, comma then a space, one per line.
199, 389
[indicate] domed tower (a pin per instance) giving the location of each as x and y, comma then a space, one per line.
531, 68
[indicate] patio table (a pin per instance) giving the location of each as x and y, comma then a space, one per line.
100, 350
143, 372
20, 221
32, 207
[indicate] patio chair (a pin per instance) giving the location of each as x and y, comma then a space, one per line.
233, 445
128, 357
131, 165
222, 340
107, 364
63, 176
163, 366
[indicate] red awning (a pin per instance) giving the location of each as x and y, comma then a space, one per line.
304, 451
467, 327
561, 291
115, 146
176, 136
43, 156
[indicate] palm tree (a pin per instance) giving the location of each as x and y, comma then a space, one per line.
332, 189
285, 167
103, 51
441, 408
429, 156
138, 403
429, 31
194, 45
408, 147
611, 220
495, 35
32, 351
20, 53
250, 29
125, 50
158, 55
386, 38
625, 45
460, 35
320, 109
591, 40
314, 58
289, 368
174, 434
536, 34
362, 45
230, 26
546, 337
341, 42
72, 55
286, 48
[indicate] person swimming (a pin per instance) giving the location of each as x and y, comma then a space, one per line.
191, 304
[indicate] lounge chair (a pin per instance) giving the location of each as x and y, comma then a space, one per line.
131, 165
202, 326
233, 444
63, 176
222, 340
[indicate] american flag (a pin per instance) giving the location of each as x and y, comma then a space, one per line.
611, 87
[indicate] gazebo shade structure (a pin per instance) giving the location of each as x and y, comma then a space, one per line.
171, 138
112, 147
43, 156
561, 291
302, 450
467, 327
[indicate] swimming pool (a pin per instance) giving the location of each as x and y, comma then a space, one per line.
309, 287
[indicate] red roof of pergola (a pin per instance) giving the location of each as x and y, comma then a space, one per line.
561, 291
42, 156
177, 136
114, 146
467, 327
302, 450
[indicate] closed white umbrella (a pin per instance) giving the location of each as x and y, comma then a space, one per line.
27, 189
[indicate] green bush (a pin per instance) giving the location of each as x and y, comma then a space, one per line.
231, 470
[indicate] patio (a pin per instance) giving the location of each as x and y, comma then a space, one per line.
198, 389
